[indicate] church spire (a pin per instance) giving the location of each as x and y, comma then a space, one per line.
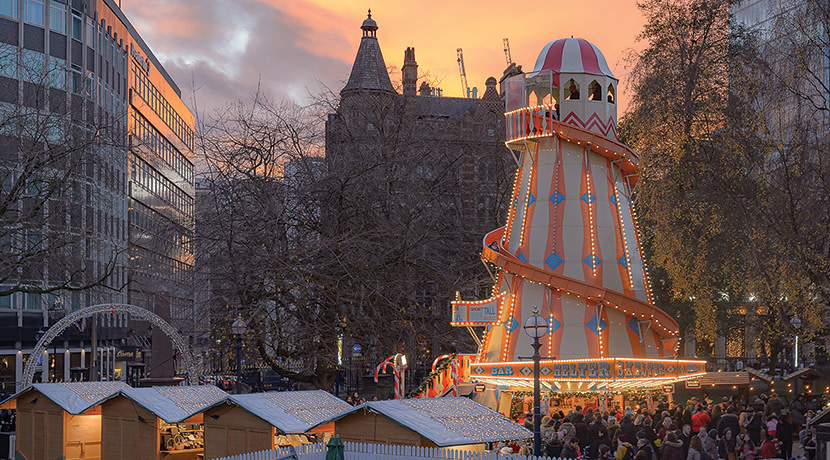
369, 69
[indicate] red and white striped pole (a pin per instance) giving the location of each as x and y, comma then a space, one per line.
454, 377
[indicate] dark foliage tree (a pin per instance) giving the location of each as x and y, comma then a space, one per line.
734, 188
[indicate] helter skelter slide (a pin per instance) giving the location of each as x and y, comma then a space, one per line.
570, 245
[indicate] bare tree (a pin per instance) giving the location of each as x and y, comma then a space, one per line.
54, 158
365, 246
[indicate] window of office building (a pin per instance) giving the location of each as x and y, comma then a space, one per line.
57, 17
34, 12
8, 60
90, 33
57, 73
77, 25
33, 302
8, 8
31, 69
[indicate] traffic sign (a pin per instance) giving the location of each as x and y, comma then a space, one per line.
357, 349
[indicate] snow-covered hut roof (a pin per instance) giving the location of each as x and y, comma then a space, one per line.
293, 412
449, 421
175, 404
75, 397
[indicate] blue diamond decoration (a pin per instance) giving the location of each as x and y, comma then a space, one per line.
521, 257
478, 370
592, 325
557, 198
592, 260
553, 261
526, 371
623, 262
613, 199
634, 325
515, 202
511, 325
545, 370
554, 324
670, 369
531, 199
588, 198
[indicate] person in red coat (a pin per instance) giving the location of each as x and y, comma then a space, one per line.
700, 419
769, 448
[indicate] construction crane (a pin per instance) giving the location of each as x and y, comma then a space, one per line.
507, 52
464, 88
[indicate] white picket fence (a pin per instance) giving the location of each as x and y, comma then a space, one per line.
365, 451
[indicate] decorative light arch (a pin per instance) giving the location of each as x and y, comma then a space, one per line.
66, 321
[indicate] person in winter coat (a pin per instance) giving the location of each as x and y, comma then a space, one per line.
627, 426
672, 448
581, 429
605, 453
623, 446
598, 436
727, 449
747, 449
710, 443
644, 449
772, 423
797, 409
729, 421
774, 405
695, 448
553, 447
769, 448
568, 429
717, 413
756, 428
571, 449
685, 437
700, 419
784, 432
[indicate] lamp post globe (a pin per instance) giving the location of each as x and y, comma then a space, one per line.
239, 327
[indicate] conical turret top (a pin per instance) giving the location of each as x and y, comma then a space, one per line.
369, 69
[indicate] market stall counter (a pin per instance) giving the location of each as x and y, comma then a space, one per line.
162, 423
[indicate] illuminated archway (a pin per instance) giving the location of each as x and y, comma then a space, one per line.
178, 341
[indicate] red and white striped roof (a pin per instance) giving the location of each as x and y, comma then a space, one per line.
572, 55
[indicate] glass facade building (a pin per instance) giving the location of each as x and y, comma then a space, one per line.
82, 66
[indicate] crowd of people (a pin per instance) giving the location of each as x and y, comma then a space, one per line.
765, 428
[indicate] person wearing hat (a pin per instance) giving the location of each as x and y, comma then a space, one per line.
710, 443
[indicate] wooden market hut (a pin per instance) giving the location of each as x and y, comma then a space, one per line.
157, 423
458, 423
260, 421
61, 420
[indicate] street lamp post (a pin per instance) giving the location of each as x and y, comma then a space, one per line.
536, 327
239, 327
401, 365
795, 322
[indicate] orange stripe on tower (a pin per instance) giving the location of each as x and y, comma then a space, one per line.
624, 269
591, 254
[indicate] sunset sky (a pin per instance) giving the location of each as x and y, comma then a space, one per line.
224, 48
